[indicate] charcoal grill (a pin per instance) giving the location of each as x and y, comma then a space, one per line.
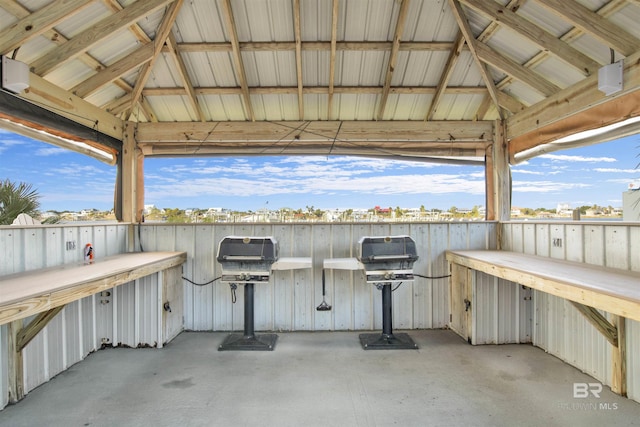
248, 261
386, 261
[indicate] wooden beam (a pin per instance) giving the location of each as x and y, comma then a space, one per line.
318, 46
39, 22
338, 149
94, 35
138, 32
515, 70
51, 97
483, 37
26, 334
332, 57
298, 37
446, 75
114, 71
237, 57
161, 36
19, 11
579, 98
393, 57
591, 23
545, 40
321, 90
598, 321
605, 11
184, 76
447, 132
464, 26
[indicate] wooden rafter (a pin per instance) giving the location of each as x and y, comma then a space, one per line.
37, 23
393, 57
546, 41
594, 24
471, 42
94, 35
332, 56
296, 30
114, 71
237, 57
515, 70
184, 76
446, 75
605, 11
134, 28
19, 11
161, 36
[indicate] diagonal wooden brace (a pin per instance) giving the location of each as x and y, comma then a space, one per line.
26, 334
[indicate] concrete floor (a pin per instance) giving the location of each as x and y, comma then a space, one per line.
320, 379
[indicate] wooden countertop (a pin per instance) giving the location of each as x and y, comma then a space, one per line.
32, 292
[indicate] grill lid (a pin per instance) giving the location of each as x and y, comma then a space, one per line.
382, 249
247, 259
262, 250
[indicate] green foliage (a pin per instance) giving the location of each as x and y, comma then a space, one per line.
16, 199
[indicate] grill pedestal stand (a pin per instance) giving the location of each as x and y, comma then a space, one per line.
248, 340
387, 340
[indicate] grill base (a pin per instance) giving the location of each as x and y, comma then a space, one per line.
387, 342
241, 342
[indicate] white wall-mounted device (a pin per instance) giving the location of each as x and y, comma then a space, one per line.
610, 78
15, 75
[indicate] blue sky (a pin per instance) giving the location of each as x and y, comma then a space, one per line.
596, 174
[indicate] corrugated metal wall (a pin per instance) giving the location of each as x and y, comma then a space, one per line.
505, 315
127, 315
288, 302
558, 327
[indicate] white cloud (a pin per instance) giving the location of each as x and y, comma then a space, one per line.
50, 151
566, 158
546, 186
613, 170
527, 172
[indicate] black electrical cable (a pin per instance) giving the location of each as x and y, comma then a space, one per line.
201, 284
432, 277
394, 289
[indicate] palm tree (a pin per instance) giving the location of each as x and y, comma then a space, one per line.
16, 199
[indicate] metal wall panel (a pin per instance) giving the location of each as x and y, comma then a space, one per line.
289, 300
558, 327
127, 315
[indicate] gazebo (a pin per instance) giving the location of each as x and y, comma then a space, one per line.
489, 83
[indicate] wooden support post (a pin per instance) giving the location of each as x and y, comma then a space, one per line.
132, 177
498, 177
619, 358
16, 374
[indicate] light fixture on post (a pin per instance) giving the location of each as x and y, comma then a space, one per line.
610, 77
15, 75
